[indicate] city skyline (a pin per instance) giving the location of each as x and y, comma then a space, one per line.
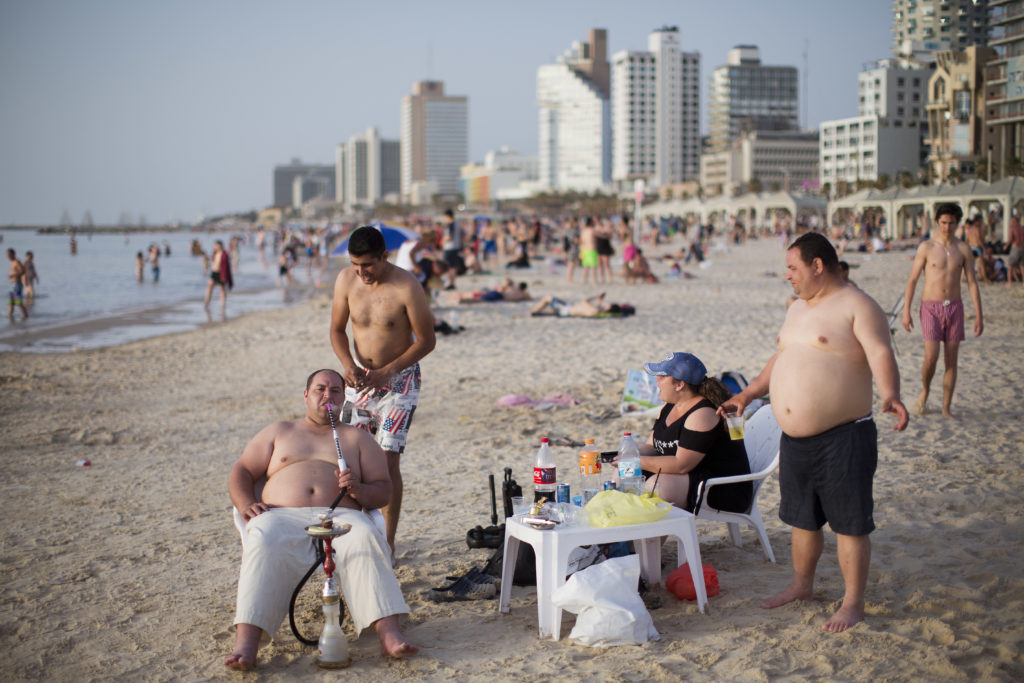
175, 111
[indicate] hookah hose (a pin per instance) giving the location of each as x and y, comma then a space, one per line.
320, 553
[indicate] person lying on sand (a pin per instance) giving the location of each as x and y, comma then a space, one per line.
506, 291
591, 307
299, 460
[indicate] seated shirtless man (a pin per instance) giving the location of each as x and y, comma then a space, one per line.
300, 463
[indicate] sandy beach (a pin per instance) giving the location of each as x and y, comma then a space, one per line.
127, 569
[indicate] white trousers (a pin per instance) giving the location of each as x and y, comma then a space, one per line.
277, 552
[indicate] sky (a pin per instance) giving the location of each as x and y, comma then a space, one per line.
172, 110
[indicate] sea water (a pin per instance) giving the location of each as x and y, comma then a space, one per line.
92, 298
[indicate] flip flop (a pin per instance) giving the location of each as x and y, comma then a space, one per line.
462, 589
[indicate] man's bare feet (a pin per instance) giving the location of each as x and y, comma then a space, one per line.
790, 594
392, 642
947, 413
400, 651
844, 619
239, 663
920, 406
247, 642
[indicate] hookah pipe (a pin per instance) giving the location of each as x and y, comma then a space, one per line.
324, 553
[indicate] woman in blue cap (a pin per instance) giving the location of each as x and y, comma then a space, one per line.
690, 442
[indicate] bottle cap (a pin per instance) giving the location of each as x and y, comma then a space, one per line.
627, 433
543, 439
586, 441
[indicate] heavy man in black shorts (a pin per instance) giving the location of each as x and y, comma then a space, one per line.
834, 341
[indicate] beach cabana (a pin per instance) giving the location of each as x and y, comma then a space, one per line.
903, 208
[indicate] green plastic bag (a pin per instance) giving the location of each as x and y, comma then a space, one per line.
615, 508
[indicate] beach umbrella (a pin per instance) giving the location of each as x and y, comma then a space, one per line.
394, 237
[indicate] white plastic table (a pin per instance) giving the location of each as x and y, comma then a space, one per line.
552, 547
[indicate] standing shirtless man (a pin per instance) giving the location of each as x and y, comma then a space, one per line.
16, 296
828, 449
942, 259
392, 329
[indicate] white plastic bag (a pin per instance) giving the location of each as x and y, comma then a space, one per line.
610, 609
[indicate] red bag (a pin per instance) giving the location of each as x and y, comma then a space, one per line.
680, 582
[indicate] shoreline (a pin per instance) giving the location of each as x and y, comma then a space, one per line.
130, 565
154, 321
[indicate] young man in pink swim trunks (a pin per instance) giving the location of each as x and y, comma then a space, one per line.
943, 259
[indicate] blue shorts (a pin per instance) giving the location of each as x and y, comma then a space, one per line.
16, 293
828, 478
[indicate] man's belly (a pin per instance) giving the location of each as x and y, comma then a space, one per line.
813, 391
308, 483
374, 350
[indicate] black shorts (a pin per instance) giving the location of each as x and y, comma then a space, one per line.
828, 477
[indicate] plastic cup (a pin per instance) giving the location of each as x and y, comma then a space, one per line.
735, 424
518, 505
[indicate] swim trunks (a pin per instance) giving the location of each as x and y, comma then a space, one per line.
828, 477
490, 247
491, 295
588, 258
386, 413
561, 307
1016, 257
942, 321
16, 293
215, 277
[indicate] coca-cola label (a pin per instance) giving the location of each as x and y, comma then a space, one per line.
543, 475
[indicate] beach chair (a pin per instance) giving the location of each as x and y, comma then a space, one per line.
895, 318
761, 440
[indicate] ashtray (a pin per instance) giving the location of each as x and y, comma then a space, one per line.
538, 522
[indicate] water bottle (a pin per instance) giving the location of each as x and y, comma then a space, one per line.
631, 478
544, 473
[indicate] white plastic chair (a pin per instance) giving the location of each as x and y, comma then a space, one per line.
761, 439
895, 319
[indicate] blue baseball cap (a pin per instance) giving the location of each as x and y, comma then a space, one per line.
684, 367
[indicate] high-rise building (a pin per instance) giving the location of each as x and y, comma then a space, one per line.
920, 28
897, 89
285, 175
957, 111
435, 138
656, 112
862, 148
776, 160
575, 117
367, 169
749, 96
505, 174
1004, 86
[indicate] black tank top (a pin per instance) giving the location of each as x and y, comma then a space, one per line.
723, 457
